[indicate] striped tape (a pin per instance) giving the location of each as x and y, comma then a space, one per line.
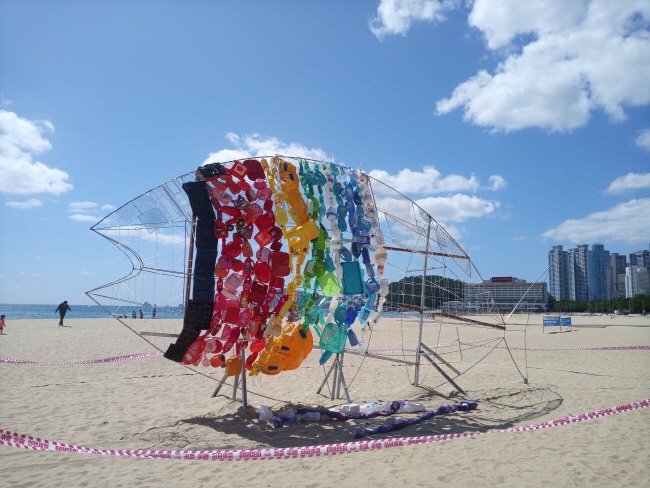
378, 352
562, 349
14, 439
114, 359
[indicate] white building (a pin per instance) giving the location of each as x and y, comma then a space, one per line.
637, 281
508, 292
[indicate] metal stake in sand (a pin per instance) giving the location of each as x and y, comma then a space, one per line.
424, 279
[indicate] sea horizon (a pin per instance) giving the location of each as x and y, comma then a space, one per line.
17, 311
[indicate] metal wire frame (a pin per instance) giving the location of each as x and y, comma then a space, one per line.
167, 206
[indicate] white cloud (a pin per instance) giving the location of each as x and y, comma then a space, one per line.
643, 139
88, 273
563, 60
519, 238
628, 222
631, 181
396, 16
88, 211
430, 180
497, 182
20, 140
31, 203
457, 208
254, 145
427, 181
82, 206
84, 218
163, 239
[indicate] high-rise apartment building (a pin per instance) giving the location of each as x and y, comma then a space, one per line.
618, 263
640, 258
637, 281
599, 273
558, 273
578, 276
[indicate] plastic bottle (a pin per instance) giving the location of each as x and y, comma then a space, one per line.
350, 317
350, 409
379, 406
383, 286
374, 318
407, 407
289, 416
311, 416
362, 340
352, 338
369, 408
265, 413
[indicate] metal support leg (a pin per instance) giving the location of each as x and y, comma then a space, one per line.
234, 388
416, 381
244, 395
322, 385
442, 372
342, 379
340, 366
221, 383
335, 379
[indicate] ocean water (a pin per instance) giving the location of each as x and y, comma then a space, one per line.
37, 311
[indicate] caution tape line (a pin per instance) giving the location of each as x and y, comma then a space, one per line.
114, 359
399, 351
563, 349
14, 439
129, 357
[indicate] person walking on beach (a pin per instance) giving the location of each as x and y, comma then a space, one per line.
141, 314
62, 309
2, 325
153, 313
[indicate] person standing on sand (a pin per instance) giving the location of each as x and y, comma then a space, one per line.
62, 309
2, 325
141, 314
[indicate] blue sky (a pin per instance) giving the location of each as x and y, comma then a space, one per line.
518, 125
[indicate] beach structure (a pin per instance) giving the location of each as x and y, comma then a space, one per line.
275, 256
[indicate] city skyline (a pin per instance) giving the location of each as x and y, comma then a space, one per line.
584, 275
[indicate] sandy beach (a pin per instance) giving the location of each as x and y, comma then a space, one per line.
152, 403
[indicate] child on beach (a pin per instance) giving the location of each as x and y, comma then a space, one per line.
2, 324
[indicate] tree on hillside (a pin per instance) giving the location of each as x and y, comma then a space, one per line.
437, 291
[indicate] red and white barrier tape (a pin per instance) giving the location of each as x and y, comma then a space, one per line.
129, 357
380, 352
13, 439
115, 359
563, 349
